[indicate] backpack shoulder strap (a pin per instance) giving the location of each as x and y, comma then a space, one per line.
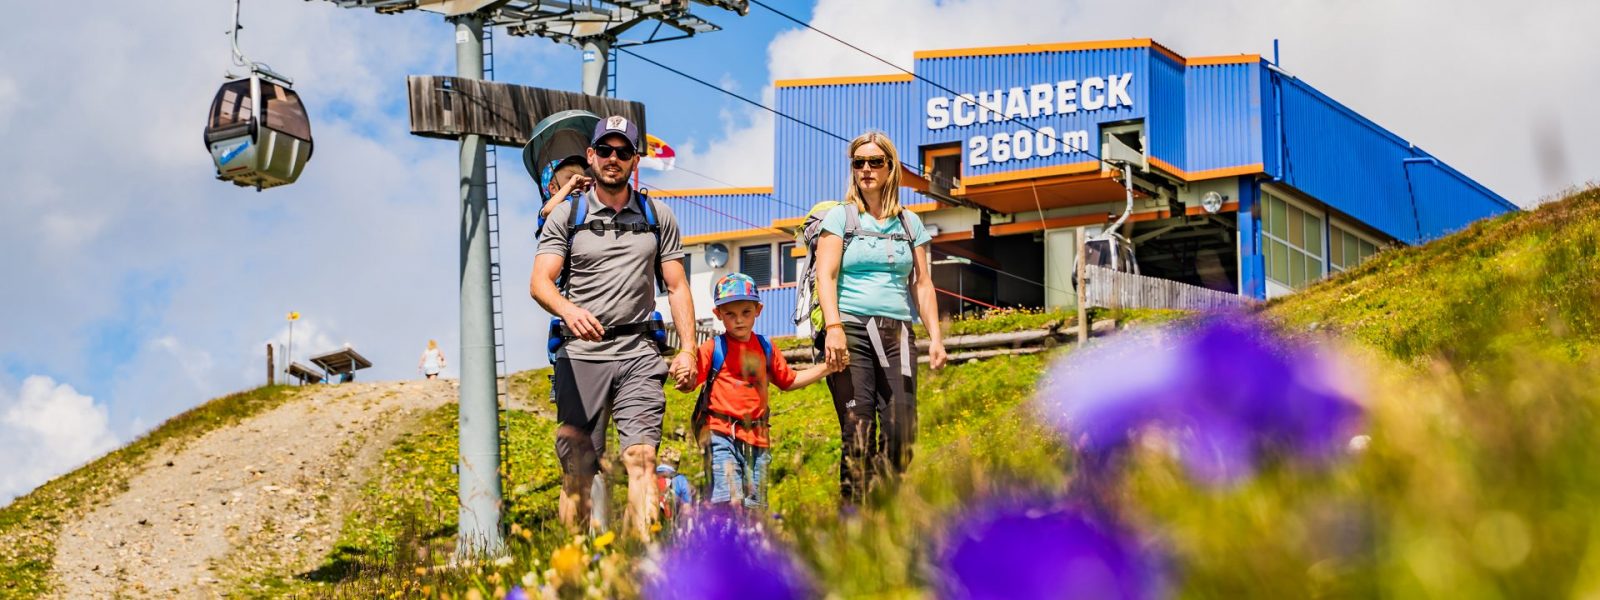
905, 225
576, 216
852, 218
852, 222
648, 209
719, 353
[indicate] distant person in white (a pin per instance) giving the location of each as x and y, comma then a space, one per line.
432, 361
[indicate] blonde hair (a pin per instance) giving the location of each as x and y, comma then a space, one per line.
891, 185
433, 345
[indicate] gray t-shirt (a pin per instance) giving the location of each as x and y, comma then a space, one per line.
612, 273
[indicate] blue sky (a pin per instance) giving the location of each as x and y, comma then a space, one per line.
139, 286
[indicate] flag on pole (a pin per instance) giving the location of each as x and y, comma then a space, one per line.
658, 155
294, 316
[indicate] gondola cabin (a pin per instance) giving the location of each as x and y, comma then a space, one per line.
258, 133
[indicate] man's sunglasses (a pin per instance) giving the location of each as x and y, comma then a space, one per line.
877, 162
605, 150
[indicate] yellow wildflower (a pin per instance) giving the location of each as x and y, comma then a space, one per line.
568, 563
604, 540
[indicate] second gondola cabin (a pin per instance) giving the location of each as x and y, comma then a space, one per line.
258, 133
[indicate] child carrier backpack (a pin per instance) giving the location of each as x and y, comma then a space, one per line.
808, 308
577, 221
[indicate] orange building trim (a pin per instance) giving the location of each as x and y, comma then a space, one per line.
1077, 221
722, 236
1091, 45
690, 192
1033, 48
1209, 173
1077, 168
1232, 59
846, 80
1167, 52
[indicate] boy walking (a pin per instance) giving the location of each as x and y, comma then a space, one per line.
731, 415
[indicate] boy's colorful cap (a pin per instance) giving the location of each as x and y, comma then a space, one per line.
734, 287
548, 174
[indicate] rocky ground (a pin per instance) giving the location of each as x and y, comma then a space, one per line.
265, 497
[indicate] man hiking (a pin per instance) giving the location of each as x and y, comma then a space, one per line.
601, 260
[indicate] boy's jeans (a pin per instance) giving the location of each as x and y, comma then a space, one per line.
736, 465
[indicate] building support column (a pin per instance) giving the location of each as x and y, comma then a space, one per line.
1252, 264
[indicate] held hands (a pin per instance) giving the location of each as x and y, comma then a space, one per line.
682, 371
836, 351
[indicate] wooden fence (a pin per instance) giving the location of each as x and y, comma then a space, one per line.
1113, 289
704, 329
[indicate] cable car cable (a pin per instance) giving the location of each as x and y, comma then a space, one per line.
751, 102
811, 126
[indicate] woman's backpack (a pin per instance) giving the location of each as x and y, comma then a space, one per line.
808, 308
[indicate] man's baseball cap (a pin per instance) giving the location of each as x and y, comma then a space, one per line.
616, 125
734, 287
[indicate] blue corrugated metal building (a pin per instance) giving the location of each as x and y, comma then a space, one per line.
1247, 179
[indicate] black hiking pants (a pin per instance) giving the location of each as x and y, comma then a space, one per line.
876, 401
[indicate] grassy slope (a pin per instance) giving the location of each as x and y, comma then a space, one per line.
1480, 479
29, 525
972, 434
1520, 281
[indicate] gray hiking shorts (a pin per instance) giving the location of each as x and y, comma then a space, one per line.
590, 393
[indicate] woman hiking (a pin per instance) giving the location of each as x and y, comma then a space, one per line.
873, 278
432, 360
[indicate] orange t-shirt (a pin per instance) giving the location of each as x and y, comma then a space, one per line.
741, 388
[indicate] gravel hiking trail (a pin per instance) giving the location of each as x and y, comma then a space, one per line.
264, 497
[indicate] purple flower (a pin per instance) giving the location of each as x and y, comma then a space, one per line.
516, 593
720, 556
1038, 551
1227, 392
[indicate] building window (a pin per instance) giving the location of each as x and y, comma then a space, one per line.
1346, 250
1293, 243
756, 261
788, 265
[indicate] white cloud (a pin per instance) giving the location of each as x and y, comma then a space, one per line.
103, 176
46, 429
104, 179
8, 100
1470, 89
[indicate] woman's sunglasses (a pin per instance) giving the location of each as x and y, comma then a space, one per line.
605, 151
876, 162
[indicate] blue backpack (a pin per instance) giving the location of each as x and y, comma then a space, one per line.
719, 354
577, 221
699, 421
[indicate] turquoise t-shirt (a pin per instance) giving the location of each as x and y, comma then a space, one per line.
875, 276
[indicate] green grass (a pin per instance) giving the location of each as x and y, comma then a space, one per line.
1520, 282
1021, 319
30, 524
972, 418
1480, 479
